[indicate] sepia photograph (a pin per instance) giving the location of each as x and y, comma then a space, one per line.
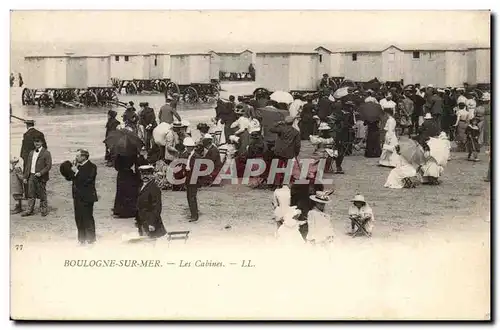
250, 165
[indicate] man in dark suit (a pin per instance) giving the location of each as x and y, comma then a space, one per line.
213, 154
84, 196
36, 175
28, 139
192, 184
147, 119
148, 220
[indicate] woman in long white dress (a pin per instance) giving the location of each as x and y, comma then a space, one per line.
288, 233
320, 224
398, 176
389, 156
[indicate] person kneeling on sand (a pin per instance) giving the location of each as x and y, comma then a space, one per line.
361, 216
288, 233
320, 224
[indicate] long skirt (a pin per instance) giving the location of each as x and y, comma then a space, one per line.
460, 136
373, 149
481, 125
127, 190
306, 128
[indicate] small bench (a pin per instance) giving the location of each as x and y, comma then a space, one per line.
176, 235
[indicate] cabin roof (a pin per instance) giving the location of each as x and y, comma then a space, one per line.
367, 48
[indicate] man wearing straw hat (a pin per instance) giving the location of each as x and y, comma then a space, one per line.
149, 205
361, 215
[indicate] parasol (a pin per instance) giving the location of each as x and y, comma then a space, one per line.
370, 111
124, 142
282, 97
341, 92
439, 150
412, 152
160, 132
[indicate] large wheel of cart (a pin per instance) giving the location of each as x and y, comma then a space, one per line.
131, 88
161, 86
46, 101
172, 89
190, 95
28, 97
89, 99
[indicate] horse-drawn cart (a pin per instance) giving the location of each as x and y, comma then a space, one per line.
194, 78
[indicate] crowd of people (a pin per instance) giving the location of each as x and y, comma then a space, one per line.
272, 131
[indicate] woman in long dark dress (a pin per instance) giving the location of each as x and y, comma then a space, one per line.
307, 123
373, 149
127, 187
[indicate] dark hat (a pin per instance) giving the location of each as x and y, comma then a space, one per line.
112, 113
29, 122
142, 104
65, 169
131, 103
325, 75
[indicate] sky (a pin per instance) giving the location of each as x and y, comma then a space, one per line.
290, 27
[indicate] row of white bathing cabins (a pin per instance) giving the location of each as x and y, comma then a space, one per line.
277, 68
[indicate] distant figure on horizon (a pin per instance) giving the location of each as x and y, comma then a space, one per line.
21, 82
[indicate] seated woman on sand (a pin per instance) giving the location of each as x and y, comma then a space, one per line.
403, 176
288, 233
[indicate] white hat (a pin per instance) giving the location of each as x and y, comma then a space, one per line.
428, 115
321, 196
440, 90
315, 117
443, 135
188, 142
430, 86
358, 198
14, 160
146, 168
323, 127
208, 136
460, 89
486, 96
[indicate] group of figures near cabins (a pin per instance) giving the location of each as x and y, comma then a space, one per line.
268, 127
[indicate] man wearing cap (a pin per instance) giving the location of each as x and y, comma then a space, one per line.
28, 140
149, 205
147, 119
83, 176
212, 153
36, 175
192, 184
168, 112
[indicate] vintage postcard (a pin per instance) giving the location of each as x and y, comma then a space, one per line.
250, 165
